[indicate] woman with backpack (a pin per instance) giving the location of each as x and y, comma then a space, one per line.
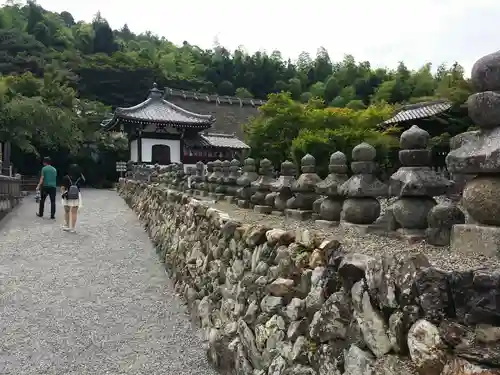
71, 196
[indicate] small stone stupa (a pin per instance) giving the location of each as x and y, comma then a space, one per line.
361, 206
300, 205
262, 186
180, 177
415, 184
283, 186
220, 190
214, 178
331, 207
198, 178
477, 153
244, 182
230, 181
191, 175
208, 185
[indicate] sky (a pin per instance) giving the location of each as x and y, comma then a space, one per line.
383, 32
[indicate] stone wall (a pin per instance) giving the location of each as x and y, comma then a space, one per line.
274, 302
10, 193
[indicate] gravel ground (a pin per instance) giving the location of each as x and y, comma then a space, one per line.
368, 244
94, 302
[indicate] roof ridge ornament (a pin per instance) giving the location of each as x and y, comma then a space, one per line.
155, 93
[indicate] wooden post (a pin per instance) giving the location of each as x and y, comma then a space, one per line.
139, 145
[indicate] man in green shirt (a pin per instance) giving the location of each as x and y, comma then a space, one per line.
47, 186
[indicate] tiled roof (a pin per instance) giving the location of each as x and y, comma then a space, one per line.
419, 111
214, 98
215, 140
155, 109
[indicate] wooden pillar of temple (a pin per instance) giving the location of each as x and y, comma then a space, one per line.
139, 145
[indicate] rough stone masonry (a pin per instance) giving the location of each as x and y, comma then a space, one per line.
277, 302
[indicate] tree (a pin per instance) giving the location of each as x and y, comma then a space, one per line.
84, 37
270, 134
243, 93
304, 62
35, 16
305, 97
322, 65
104, 40
422, 82
332, 89
318, 90
295, 87
68, 19
356, 104
20, 52
126, 34
287, 129
226, 88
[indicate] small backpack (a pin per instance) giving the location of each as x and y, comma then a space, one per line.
73, 191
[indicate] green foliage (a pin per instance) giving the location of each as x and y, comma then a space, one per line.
287, 129
243, 93
44, 113
270, 135
32, 37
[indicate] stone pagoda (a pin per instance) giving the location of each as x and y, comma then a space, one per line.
283, 186
199, 179
331, 206
207, 186
214, 178
230, 181
244, 182
262, 186
415, 184
361, 206
477, 153
221, 188
300, 206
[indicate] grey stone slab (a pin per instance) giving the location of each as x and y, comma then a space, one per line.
475, 239
94, 302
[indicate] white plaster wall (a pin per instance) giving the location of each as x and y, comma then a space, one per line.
133, 151
148, 143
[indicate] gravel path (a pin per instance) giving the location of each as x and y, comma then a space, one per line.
94, 302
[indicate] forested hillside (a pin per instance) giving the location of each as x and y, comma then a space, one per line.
116, 67
60, 76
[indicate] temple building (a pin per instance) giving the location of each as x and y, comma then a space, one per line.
161, 132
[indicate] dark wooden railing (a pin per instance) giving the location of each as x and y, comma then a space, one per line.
29, 183
10, 193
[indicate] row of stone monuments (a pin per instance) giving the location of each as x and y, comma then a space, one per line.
354, 201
